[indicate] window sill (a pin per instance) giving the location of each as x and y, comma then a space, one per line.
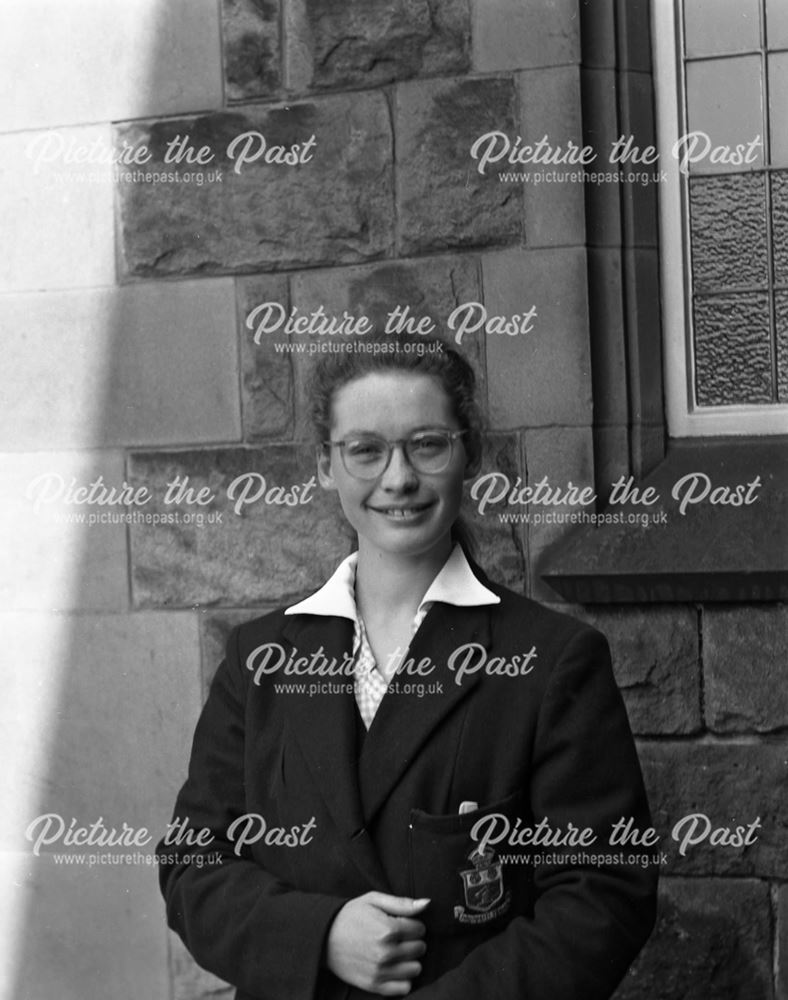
711, 552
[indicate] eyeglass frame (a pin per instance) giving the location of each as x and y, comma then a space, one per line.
452, 436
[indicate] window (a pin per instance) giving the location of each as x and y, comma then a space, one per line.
722, 103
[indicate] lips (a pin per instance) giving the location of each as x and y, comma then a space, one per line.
403, 512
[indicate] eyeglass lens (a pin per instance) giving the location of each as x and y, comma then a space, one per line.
367, 457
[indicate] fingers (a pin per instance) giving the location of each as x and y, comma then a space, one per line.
398, 979
407, 950
406, 929
397, 906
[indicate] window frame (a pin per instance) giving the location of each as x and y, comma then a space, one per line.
684, 417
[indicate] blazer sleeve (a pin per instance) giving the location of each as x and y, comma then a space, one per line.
236, 919
590, 919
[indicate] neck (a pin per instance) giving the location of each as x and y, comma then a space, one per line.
392, 583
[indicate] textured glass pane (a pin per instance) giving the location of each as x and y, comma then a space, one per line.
778, 108
728, 232
716, 26
780, 226
776, 24
725, 102
781, 310
732, 350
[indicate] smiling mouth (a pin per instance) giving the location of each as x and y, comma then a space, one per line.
403, 513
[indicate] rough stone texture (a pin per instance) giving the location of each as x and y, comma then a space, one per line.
501, 547
267, 393
49, 563
269, 552
746, 668
189, 981
429, 288
542, 377
336, 207
565, 456
733, 784
442, 199
368, 43
43, 195
215, 627
782, 942
655, 657
550, 103
250, 39
712, 940
518, 34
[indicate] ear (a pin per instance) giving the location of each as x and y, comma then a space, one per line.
324, 475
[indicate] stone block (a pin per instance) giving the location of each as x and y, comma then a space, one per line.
500, 546
431, 288
655, 658
550, 103
250, 39
71, 203
564, 456
733, 785
267, 390
128, 696
442, 199
333, 205
90, 931
120, 60
542, 377
368, 43
270, 551
189, 981
52, 559
712, 940
519, 34
745, 668
149, 363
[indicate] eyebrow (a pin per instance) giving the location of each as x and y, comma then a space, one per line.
354, 432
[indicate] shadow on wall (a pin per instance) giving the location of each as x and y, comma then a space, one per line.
105, 694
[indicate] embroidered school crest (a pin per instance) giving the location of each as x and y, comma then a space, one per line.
483, 887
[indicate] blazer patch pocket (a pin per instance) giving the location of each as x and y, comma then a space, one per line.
468, 887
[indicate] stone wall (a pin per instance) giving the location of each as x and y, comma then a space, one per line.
124, 306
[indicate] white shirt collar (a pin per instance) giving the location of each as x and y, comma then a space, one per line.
455, 584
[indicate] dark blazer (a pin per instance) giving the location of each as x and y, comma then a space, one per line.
551, 744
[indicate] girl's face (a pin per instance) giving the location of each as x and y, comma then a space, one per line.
402, 511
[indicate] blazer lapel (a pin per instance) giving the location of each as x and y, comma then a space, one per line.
325, 728
404, 722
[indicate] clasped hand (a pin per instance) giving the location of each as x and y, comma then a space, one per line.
375, 942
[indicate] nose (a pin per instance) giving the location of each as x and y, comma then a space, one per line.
399, 474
